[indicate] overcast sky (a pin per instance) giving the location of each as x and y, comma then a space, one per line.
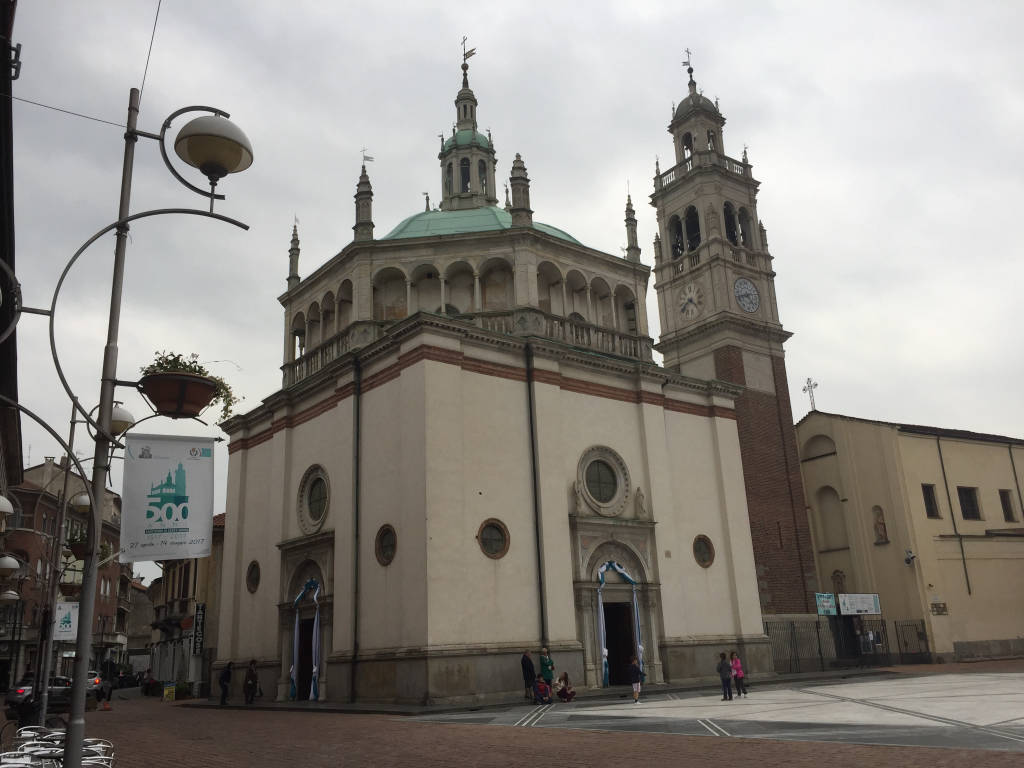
887, 138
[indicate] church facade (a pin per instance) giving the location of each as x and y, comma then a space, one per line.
472, 453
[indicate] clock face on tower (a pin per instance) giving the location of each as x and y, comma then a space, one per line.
691, 301
746, 295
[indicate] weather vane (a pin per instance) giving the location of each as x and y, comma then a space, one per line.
466, 54
366, 157
689, 54
809, 390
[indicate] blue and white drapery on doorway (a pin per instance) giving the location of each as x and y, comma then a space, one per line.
314, 688
601, 640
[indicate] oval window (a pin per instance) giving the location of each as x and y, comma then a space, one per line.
387, 543
493, 538
601, 481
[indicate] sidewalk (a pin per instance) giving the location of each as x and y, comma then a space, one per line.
614, 693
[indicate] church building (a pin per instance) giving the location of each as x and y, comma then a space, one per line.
472, 452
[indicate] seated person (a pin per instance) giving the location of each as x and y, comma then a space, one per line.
541, 691
564, 689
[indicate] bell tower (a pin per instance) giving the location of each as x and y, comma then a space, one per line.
467, 157
715, 283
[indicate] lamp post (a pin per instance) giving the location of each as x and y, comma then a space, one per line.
217, 148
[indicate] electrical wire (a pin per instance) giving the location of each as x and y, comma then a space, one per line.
68, 111
149, 53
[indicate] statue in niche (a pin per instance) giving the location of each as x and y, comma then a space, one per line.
881, 533
577, 498
639, 504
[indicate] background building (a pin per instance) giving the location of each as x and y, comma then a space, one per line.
927, 518
30, 536
185, 604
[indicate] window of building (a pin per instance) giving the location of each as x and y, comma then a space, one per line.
493, 538
482, 173
931, 506
703, 551
386, 544
252, 577
968, 502
601, 481
1006, 500
314, 499
464, 175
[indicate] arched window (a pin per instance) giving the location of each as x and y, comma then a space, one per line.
482, 173
692, 228
675, 237
729, 214
448, 180
464, 174
746, 232
711, 141
687, 145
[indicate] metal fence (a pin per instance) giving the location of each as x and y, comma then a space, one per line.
834, 642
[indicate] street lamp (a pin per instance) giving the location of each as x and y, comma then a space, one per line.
217, 147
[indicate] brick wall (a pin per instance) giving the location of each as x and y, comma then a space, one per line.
775, 497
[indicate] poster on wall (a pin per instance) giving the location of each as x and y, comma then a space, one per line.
826, 603
859, 605
65, 621
167, 498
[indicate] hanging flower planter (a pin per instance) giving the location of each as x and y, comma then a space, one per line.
70, 588
178, 395
77, 549
181, 387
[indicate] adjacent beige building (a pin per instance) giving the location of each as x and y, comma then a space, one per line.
928, 518
472, 453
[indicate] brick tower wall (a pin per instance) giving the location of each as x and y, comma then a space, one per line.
775, 497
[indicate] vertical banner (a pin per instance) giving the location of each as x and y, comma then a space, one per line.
167, 499
199, 630
65, 621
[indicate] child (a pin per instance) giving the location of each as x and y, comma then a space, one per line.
564, 689
737, 674
542, 693
636, 675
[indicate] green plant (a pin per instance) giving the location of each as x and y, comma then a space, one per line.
174, 362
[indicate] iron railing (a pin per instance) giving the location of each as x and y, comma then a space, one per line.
834, 642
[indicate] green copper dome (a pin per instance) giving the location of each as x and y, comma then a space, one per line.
467, 138
487, 219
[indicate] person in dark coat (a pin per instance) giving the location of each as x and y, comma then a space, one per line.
252, 683
724, 670
636, 676
529, 674
225, 683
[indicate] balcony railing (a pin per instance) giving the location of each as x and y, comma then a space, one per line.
524, 321
700, 160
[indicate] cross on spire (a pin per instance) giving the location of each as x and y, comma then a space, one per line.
809, 388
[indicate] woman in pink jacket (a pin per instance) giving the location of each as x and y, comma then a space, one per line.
737, 674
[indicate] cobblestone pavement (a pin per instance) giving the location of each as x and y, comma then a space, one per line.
151, 734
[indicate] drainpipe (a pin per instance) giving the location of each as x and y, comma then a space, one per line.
357, 374
528, 351
1013, 466
952, 514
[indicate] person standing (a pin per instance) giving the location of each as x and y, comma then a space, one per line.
529, 674
738, 677
252, 683
724, 669
225, 683
547, 667
636, 675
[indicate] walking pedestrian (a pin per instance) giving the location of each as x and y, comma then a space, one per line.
636, 676
252, 683
529, 674
724, 670
738, 678
225, 683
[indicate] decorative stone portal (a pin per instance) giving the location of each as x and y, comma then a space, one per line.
617, 611
305, 614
